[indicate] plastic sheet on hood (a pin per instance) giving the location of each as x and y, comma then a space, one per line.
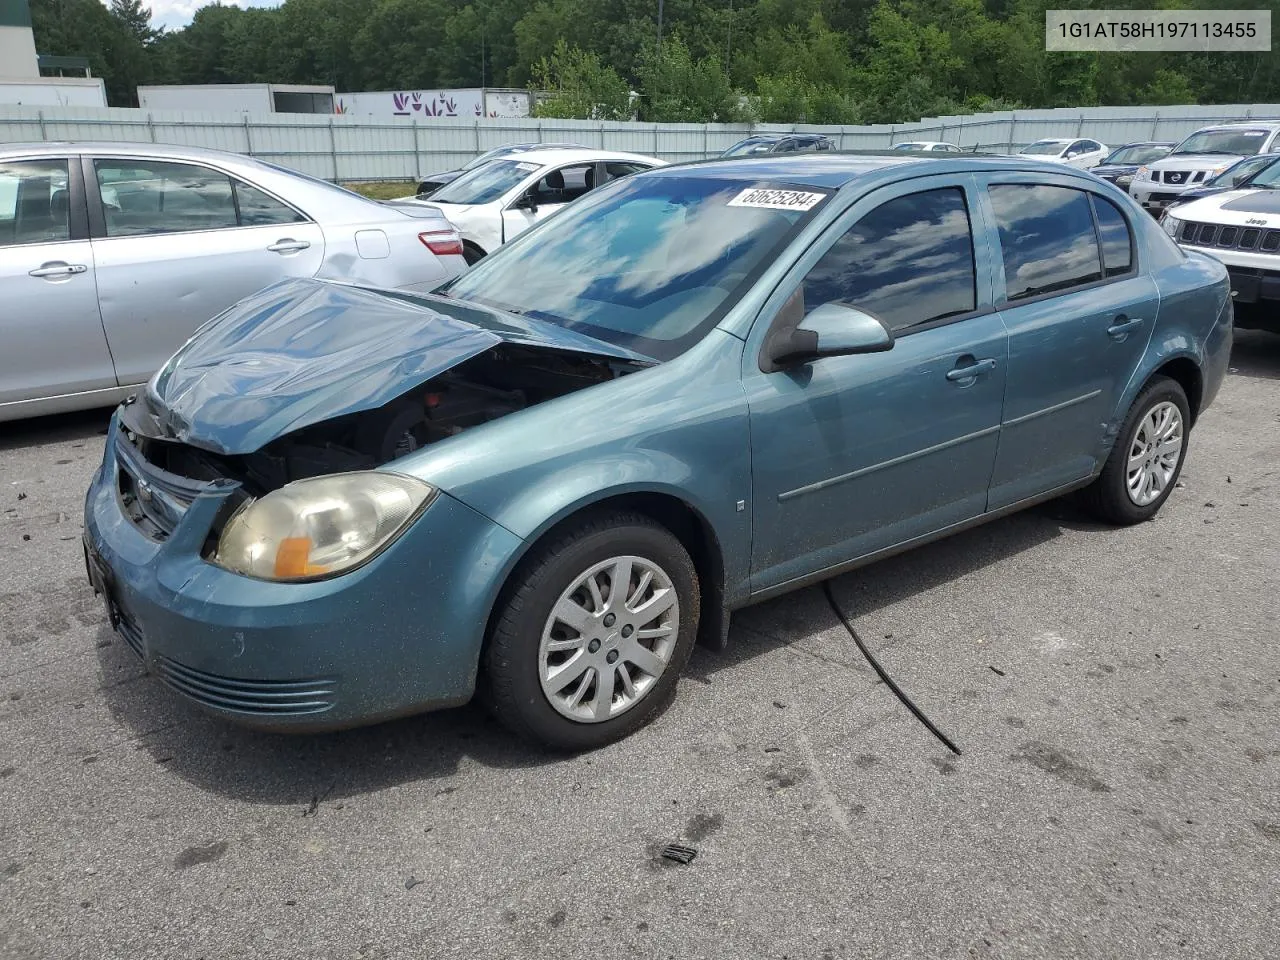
303, 351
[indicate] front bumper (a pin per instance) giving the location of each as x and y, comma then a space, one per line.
399, 635
1155, 197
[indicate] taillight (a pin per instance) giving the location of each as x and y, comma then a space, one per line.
443, 243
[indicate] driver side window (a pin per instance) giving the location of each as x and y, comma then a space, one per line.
908, 262
565, 184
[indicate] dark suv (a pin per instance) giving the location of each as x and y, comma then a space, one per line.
779, 143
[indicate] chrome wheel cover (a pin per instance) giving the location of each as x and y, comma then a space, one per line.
1154, 453
608, 639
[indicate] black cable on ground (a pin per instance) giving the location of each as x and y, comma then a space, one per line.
875, 665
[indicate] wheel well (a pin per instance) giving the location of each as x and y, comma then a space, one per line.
474, 249
686, 525
1188, 376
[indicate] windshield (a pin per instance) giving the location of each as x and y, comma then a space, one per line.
1044, 148
1237, 173
1242, 142
491, 155
646, 263
1268, 176
1136, 155
748, 147
486, 183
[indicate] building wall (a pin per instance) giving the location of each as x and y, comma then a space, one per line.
17, 45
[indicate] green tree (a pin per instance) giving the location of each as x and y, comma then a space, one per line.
581, 86
677, 88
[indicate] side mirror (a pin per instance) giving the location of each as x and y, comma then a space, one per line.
528, 202
830, 330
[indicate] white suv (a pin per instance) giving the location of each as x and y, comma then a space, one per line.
1199, 158
1242, 229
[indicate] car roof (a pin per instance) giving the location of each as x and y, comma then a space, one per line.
1148, 143
834, 170
551, 155
1239, 125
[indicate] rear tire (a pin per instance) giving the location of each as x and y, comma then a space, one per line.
572, 666
1147, 458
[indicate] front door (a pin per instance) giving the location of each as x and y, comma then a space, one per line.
1079, 315
178, 243
851, 455
49, 324
548, 194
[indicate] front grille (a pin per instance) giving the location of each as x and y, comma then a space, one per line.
266, 698
1229, 237
154, 499
1175, 176
128, 629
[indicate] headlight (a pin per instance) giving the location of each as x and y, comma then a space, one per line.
1144, 173
1123, 181
1170, 224
321, 527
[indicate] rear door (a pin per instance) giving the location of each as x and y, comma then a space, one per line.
177, 243
52, 336
1079, 312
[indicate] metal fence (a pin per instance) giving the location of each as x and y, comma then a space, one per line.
349, 148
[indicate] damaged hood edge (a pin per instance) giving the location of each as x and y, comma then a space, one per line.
304, 351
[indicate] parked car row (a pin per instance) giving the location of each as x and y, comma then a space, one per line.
695, 387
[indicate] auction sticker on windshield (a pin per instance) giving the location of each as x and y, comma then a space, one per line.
764, 199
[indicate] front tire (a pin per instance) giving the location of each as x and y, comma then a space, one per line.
1147, 458
592, 632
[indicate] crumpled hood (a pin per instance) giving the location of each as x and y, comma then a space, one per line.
303, 351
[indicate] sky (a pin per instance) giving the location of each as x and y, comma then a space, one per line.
177, 13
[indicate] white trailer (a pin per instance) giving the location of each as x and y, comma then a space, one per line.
474, 103
54, 92
253, 98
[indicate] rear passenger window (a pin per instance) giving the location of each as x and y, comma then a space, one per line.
909, 261
142, 197
1117, 242
1046, 237
259, 209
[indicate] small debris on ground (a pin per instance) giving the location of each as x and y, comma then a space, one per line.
26, 536
679, 853
779, 704
22, 496
412, 882
996, 670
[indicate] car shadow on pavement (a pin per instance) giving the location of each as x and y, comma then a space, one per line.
1256, 353
57, 428
277, 768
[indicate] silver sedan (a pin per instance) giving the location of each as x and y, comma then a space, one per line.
112, 254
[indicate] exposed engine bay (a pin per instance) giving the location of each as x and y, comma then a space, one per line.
493, 384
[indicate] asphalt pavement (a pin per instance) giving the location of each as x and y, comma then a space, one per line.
1115, 695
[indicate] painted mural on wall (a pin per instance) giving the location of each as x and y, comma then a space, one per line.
434, 104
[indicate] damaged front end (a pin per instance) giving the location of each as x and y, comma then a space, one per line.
310, 378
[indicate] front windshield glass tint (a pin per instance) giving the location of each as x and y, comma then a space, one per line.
1240, 171
1243, 142
486, 183
1132, 155
649, 263
1269, 177
1044, 148
748, 147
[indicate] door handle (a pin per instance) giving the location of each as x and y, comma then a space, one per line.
969, 371
288, 245
1122, 326
56, 268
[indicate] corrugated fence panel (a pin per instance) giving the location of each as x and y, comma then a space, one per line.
355, 148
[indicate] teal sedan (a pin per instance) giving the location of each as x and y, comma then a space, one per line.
693, 389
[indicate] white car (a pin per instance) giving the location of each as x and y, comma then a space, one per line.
1082, 153
497, 201
928, 146
1200, 158
1242, 229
